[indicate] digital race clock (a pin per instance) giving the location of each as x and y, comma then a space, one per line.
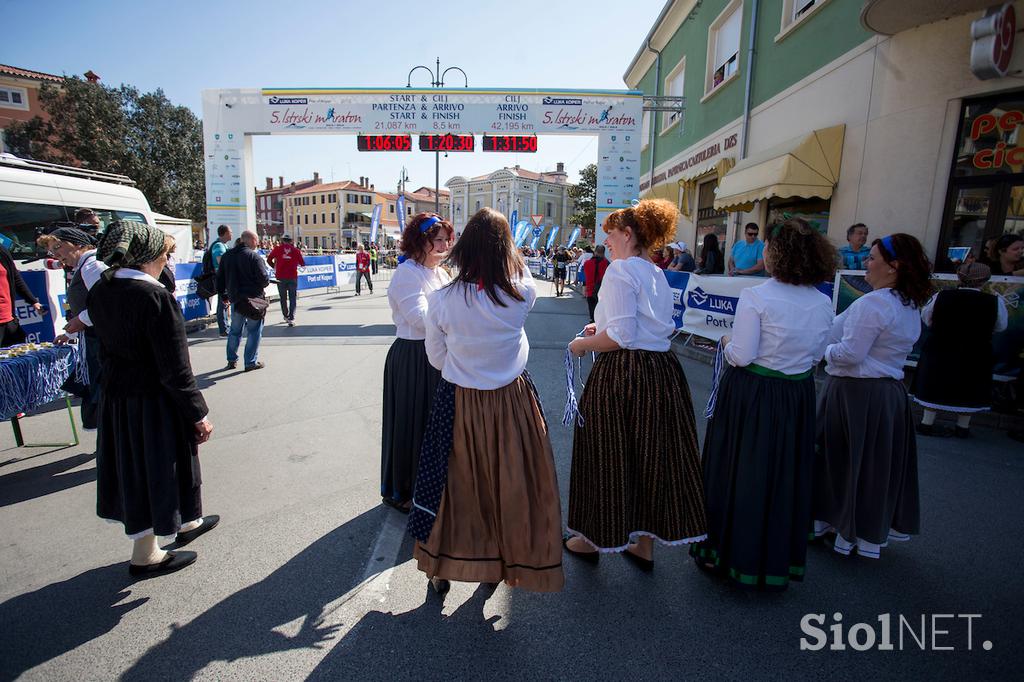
384, 143
446, 143
510, 143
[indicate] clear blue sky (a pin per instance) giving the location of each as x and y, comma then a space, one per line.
185, 47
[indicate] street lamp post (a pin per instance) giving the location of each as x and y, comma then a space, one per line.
437, 81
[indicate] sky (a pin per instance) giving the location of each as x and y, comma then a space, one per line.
187, 46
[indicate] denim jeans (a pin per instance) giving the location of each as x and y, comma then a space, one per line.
222, 326
253, 334
288, 288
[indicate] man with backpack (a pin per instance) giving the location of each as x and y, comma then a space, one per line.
206, 281
593, 272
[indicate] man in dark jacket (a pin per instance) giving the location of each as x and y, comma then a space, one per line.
11, 286
243, 275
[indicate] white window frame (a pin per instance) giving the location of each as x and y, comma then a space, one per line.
670, 119
709, 76
789, 19
645, 130
11, 90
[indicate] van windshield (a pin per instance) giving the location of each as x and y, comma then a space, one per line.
21, 223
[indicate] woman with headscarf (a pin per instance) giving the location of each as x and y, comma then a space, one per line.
152, 415
865, 477
954, 372
76, 250
409, 378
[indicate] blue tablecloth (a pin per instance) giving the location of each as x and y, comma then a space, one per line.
34, 379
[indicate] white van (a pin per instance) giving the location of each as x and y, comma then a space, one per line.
34, 195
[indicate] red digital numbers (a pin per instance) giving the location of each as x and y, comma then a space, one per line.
510, 143
384, 143
447, 143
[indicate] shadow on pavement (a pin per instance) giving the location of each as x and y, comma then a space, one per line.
28, 484
42, 625
244, 624
278, 330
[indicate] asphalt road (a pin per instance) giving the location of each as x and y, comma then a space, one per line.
308, 577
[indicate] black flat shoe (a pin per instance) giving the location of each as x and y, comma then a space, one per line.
589, 557
209, 523
440, 585
174, 561
395, 504
645, 565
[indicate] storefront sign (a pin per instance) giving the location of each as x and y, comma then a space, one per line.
704, 156
994, 36
1000, 154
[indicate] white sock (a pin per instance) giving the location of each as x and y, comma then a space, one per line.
145, 551
929, 417
964, 421
191, 525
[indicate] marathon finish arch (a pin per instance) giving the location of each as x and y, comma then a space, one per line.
232, 117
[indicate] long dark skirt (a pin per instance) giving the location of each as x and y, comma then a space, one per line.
758, 467
147, 465
865, 480
409, 385
635, 469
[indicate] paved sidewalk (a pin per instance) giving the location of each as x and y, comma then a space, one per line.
308, 577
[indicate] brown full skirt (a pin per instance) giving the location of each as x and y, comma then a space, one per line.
500, 516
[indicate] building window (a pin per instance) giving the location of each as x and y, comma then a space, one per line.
391, 208
724, 46
316, 242
367, 200
307, 219
674, 84
795, 11
13, 98
548, 212
645, 133
332, 219
323, 218
314, 218
478, 205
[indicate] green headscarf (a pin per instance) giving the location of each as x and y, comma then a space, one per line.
128, 244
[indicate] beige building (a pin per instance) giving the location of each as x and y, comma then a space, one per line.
330, 216
510, 189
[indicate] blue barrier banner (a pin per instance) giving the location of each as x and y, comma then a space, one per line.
192, 306
319, 272
48, 287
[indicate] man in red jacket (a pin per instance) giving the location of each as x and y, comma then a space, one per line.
593, 273
362, 268
286, 260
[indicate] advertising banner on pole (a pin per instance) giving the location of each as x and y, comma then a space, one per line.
536, 238
400, 211
552, 236
375, 222
573, 236
513, 219
522, 229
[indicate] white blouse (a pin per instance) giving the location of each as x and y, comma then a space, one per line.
475, 342
872, 338
634, 305
780, 326
407, 296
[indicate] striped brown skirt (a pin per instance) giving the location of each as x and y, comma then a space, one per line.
635, 464
500, 517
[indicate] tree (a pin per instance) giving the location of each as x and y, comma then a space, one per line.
144, 136
584, 194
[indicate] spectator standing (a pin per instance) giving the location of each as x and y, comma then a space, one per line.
593, 272
865, 479
12, 285
217, 250
711, 262
152, 416
362, 269
373, 258
954, 372
759, 446
747, 256
243, 275
286, 259
855, 253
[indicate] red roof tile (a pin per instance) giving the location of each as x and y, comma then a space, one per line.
25, 73
343, 185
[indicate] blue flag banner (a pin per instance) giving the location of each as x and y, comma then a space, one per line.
536, 237
551, 237
573, 237
513, 219
522, 229
375, 222
400, 210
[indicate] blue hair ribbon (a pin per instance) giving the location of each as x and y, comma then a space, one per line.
429, 223
887, 245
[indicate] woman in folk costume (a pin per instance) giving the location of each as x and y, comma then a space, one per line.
865, 479
486, 504
409, 379
152, 416
635, 471
954, 373
759, 444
